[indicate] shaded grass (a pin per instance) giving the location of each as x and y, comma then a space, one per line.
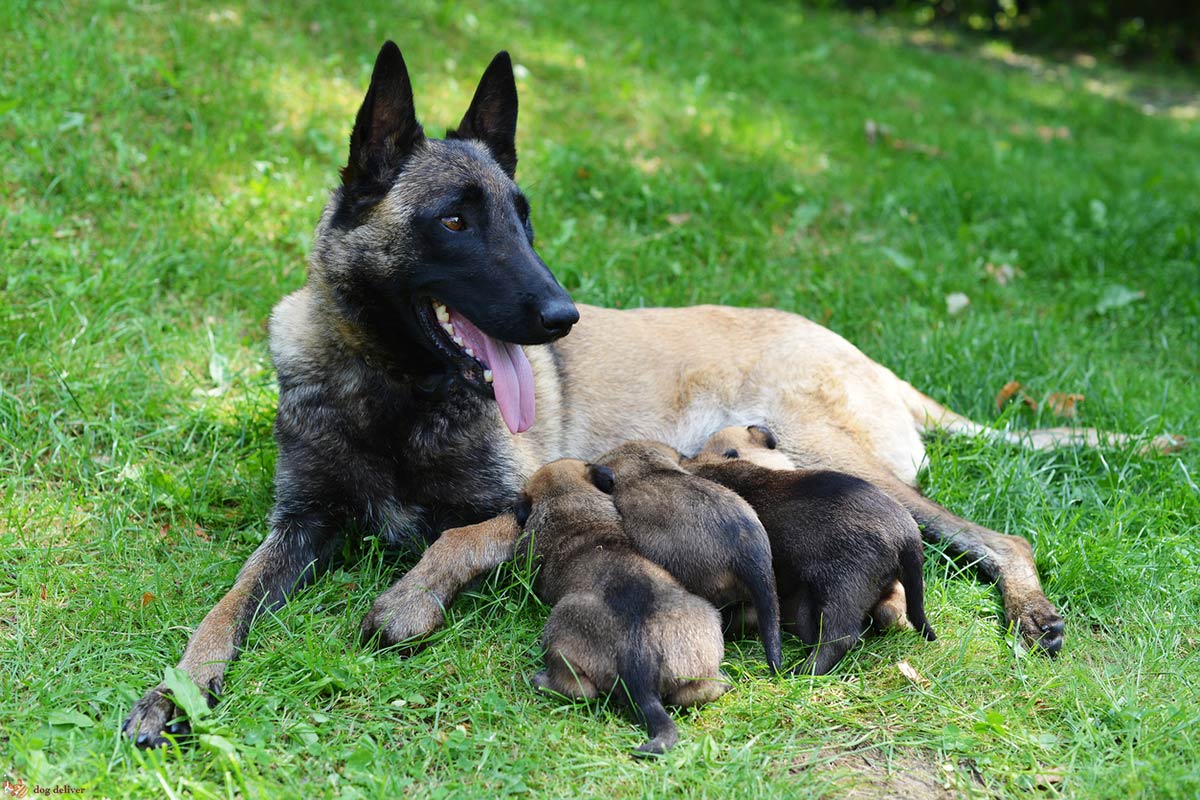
163, 168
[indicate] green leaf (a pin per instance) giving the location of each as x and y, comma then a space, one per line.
1117, 296
902, 262
69, 718
218, 744
186, 694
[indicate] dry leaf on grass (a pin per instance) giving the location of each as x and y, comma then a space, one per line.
680, 218
956, 302
1002, 274
1047, 780
916, 147
201, 533
908, 671
1006, 393
147, 599
1063, 404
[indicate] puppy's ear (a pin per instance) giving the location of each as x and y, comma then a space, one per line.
766, 435
601, 477
522, 509
731, 453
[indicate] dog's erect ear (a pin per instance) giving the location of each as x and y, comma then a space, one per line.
386, 128
764, 435
522, 509
601, 477
492, 117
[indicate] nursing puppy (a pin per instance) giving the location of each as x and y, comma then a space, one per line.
618, 617
703, 534
839, 543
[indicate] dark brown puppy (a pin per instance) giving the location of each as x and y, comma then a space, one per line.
618, 617
839, 543
705, 535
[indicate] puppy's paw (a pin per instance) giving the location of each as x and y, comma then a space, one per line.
401, 619
1039, 624
151, 717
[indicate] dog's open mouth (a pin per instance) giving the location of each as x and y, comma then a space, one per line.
491, 367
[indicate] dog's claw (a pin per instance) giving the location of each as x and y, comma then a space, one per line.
1041, 627
151, 718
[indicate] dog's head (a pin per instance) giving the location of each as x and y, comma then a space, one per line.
559, 478
635, 459
427, 245
754, 443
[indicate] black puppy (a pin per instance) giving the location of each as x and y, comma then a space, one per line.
839, 543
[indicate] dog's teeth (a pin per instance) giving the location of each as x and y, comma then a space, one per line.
442, 314
448, 328
487, 375
457, 340
469, 352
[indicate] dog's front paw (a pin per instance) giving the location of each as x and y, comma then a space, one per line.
1039, 624
401, 618
151, 717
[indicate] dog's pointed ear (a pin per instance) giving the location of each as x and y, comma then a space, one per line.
492, 117
386, 129
602, 478
522, 509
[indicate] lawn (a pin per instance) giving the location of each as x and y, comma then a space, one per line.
163, 167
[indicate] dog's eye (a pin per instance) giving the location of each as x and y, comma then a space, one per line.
454, 223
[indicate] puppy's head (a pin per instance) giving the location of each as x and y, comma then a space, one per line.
754, 443
560, 478
638, 458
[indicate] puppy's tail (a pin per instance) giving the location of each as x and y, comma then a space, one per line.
639, 671
911, 559
756, 573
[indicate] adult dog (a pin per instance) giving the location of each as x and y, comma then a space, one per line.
407, 405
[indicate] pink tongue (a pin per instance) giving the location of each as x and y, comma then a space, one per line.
512, 376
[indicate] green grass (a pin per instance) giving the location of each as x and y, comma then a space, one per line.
163, 167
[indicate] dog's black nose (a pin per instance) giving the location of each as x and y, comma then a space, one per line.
559, 316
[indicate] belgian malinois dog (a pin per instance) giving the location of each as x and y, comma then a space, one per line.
424, 374
621, 624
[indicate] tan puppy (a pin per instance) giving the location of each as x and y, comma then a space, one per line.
839, 543
618, 617
705, 535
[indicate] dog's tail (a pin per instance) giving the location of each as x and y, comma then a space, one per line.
753, 568
931, 415
639, 671
911, 559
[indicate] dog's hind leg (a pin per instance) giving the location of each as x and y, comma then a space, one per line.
294, 552
1005, 560
415, 606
